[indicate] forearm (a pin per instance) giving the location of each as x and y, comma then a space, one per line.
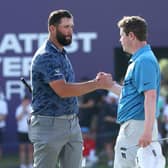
19, 117
150, 109
116, 88
78, 89
64, 89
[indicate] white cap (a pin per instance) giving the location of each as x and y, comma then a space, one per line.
150, 157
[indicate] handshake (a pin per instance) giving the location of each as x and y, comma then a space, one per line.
104, 81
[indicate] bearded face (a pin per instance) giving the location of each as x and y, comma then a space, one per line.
64, 40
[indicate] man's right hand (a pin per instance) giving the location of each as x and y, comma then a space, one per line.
104, 80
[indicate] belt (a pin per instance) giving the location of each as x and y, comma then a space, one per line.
68, 117
64, 117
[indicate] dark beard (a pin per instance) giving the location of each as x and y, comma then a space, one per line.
62, 39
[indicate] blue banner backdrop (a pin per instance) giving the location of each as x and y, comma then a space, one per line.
24, 27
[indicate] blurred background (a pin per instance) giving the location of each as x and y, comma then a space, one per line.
95, 48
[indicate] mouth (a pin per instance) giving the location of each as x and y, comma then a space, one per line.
68, 37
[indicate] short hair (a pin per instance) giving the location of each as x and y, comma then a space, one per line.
56, 16
135, 24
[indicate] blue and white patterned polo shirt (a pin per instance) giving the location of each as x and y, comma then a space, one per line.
49, 64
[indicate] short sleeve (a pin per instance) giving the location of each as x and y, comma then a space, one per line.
145, 75
51, 68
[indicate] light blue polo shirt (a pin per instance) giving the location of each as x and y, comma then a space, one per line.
143, 74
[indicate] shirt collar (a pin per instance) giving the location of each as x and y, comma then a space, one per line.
51, 45
138, 52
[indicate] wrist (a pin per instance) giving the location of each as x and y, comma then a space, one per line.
95, 83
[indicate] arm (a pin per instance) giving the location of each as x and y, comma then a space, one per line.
22, 114
64, 89
116, 88
150, 109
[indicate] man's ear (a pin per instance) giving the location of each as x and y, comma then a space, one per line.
131, 35
51, 28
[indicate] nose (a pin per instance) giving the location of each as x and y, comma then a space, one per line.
70, 29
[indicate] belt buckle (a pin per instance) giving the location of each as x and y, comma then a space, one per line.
68, 117
71, 116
